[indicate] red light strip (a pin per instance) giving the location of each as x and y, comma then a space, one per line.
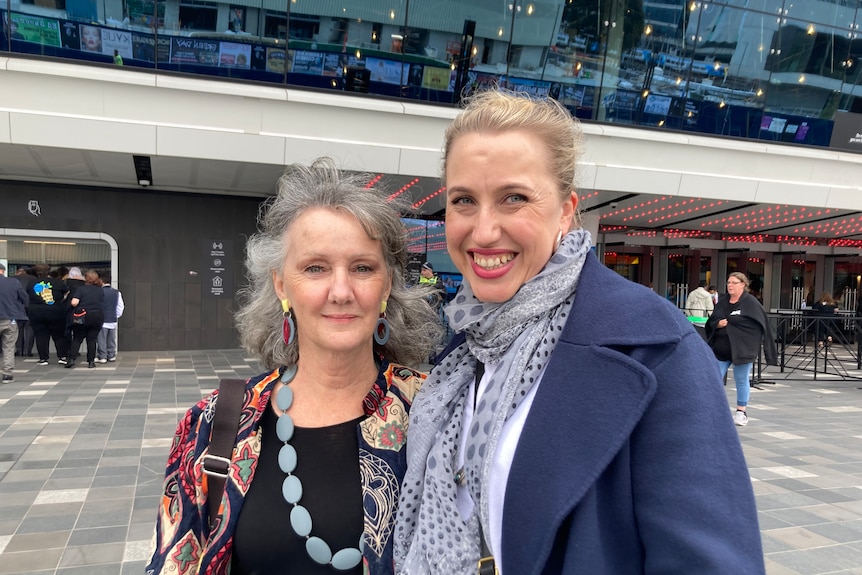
429, 197
404, 188
771, 216
374, 181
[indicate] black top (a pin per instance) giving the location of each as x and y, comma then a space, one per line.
720, 342
328, 467
824, 308
47, 294
90, 297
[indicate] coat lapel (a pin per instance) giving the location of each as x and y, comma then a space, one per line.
587, 404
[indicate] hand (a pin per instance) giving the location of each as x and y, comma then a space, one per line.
721, 323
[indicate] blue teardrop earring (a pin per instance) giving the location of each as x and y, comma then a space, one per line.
288, 327
381, 329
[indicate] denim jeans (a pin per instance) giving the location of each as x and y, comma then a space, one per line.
741, 374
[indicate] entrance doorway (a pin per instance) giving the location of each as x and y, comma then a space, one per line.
87, 250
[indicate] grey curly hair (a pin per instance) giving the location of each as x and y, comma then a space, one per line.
415, 326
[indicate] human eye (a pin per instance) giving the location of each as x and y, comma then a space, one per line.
460, 200
364, 268
515, 199
314, 268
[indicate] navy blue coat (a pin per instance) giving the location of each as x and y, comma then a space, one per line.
629, 462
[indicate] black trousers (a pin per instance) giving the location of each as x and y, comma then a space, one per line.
26, 338
88, 331
48, 327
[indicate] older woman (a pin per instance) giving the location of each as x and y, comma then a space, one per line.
319, 456
578, 424
735, 331
87, 317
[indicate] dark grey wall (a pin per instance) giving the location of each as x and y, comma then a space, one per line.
160, 238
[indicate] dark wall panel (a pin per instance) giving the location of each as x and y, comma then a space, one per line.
161, 267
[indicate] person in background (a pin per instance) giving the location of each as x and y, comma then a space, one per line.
429, 278
578, 423
13, 298
26, 340
714, 293
112, 309
699, 302
825, 306
47, 310
86, 308
118, 60
735, 331
322, 439
74, 278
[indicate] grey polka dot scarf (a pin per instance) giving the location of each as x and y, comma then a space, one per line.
516, 336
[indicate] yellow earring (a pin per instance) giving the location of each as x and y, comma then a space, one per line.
383, 307
285, 305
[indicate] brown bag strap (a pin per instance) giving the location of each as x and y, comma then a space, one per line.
222, 440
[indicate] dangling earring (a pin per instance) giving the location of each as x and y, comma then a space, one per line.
381, 330
288, 328
559, 239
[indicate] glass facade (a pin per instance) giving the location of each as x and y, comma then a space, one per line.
776, 70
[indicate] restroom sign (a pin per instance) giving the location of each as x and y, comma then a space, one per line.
217, 279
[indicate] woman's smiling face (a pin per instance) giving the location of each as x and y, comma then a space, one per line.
504, 210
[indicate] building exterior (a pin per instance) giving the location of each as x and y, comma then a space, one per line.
720, 136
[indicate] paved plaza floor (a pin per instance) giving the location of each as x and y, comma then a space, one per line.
82, 453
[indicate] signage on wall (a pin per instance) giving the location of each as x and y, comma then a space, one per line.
847, 132
217, 257
33, 208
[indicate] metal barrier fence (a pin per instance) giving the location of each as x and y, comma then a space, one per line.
817, 344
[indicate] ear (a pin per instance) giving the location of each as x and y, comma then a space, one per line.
278, 284
569, 207
388, 287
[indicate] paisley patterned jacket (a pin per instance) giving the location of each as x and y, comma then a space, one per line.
182, 542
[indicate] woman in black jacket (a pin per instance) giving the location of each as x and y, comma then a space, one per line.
735, 331
826, 307
87, 317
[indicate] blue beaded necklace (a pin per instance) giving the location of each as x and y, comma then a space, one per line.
300, 519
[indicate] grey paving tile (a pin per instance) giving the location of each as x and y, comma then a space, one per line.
90, 569
68, 483
30, 561
843, 532
133, 568
114, 480
94, 535
44, 524
36, 541
93, 555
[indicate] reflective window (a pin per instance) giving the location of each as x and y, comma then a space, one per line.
762, 69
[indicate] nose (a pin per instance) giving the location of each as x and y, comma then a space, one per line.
486, 227
340, 290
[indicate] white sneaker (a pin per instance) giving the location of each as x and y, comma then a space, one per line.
740, 418
101, 360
